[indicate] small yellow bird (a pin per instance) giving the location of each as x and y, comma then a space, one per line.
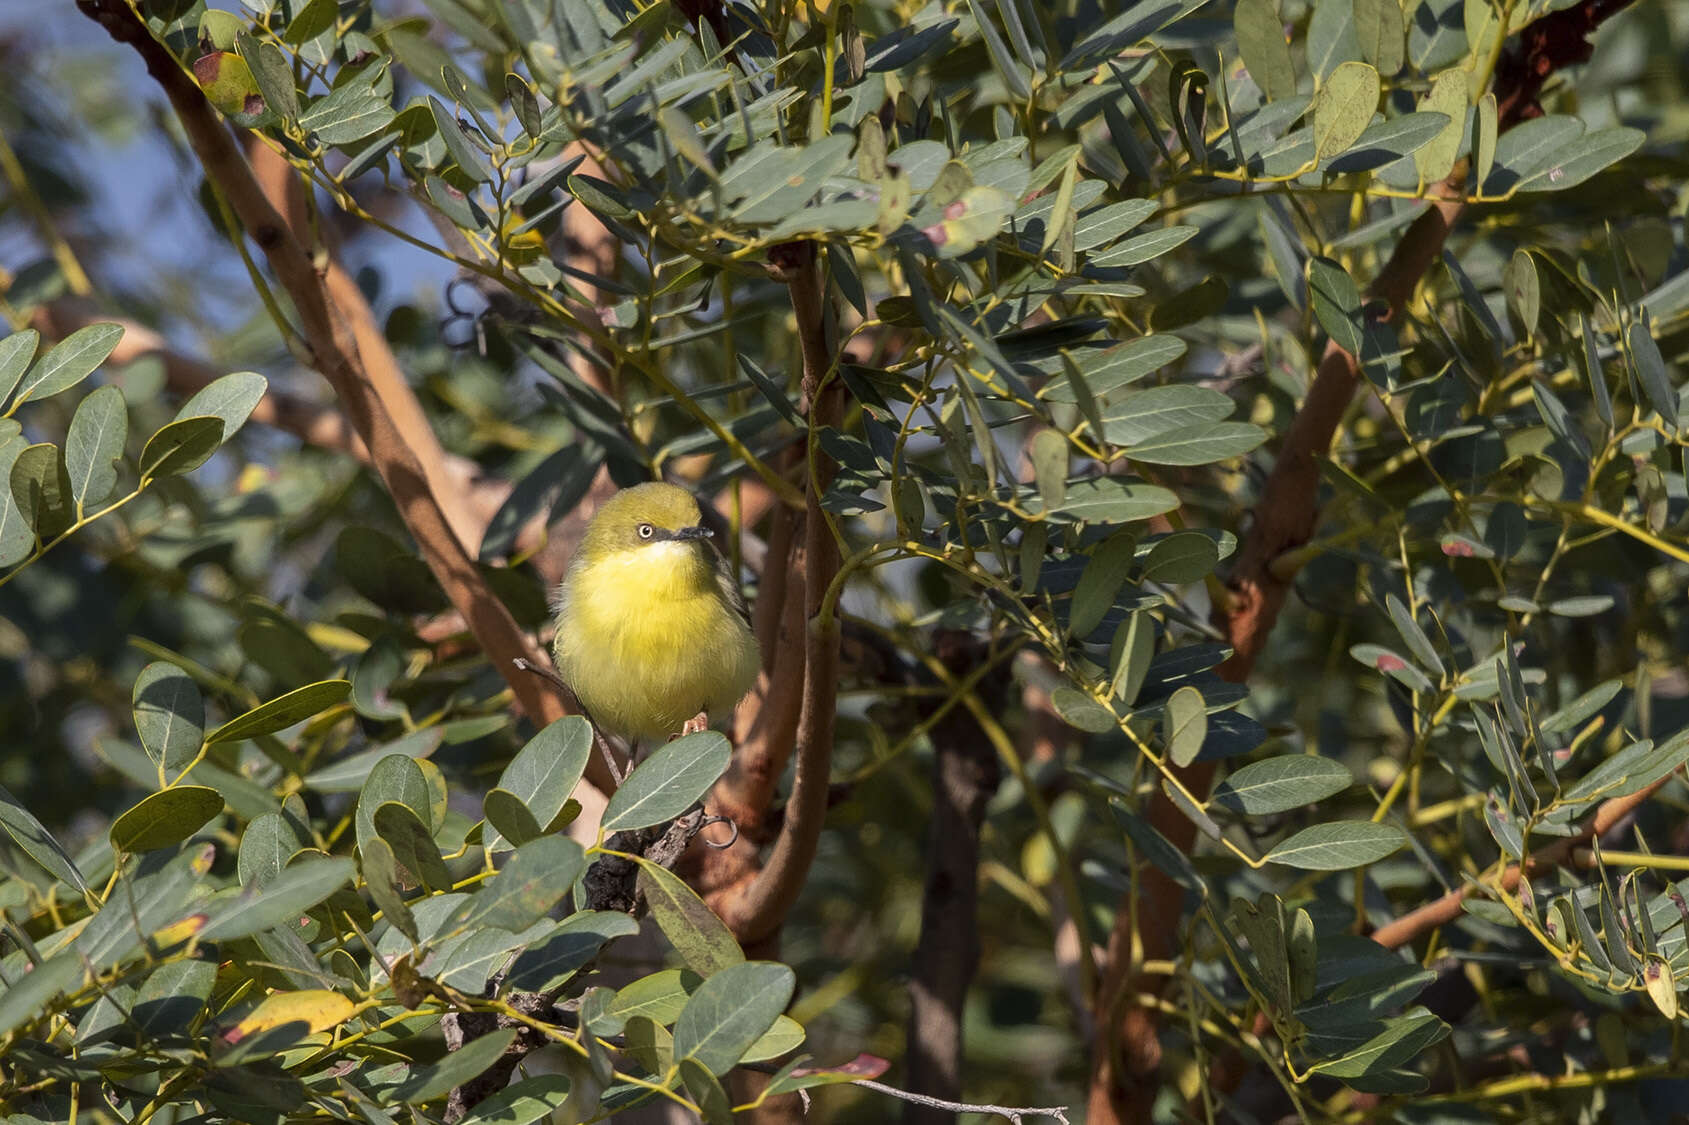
651, 630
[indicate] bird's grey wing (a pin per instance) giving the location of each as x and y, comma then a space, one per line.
730, 588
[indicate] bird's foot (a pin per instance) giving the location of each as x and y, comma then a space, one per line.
696, 724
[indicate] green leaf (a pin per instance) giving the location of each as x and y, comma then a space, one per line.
521, 1103
284, 711
269, 841
1331, 37
702, 940
731, 1010
413, 845
1265, 51
659, 997
426, 1083
382, 878
1100, 581
94, 445
1263, 924
1401, 1040
1381, 34
1185, 725
165, 818
1078, 710
169, 717
668, 782
396, 778
510, 821
538, 876
1135, 648
1338, 845
1435, 160
270, 70
350, 112
786, 1036
1413, 635
1279, 784
180, 447
302, 885
1343, 108
1104, 225
1595, 372
1387, 141
1524, 292
1156, 848
1578, 160
1049, 457
1113, 500
37, 843
547, 963
172, 997
463, 151
231, 399
1575, 713
41, 490
1184, 556
348, 774
68, 362
1109, 370
16, 351
1651, 371
1201, 444
1144, 415
1391, 664
27, 998
1136, 251
1000, 57
704, 1088
1484, 138
771, 181
1337, 303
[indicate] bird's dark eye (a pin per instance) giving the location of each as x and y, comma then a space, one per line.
646, 531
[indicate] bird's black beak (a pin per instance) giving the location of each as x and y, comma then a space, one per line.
698, 531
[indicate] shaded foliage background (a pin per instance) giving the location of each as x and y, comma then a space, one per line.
1028, 301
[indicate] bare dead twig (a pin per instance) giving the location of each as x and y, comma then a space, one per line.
1016, 1114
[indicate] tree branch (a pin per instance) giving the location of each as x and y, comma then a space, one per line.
1409, 927
759, 906
965, 773
333, 333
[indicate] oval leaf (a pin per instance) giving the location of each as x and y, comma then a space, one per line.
283, 711
1278, 784
668, 782
169, 717
165, 818
730, 1012
69, 361
1338, 846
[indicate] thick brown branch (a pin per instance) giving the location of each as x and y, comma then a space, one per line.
332, 333
757, 907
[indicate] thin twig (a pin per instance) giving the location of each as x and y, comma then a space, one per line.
1016, 1114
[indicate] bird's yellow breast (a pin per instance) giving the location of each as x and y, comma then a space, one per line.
646, 640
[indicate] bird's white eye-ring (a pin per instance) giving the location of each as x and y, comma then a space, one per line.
646, 531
